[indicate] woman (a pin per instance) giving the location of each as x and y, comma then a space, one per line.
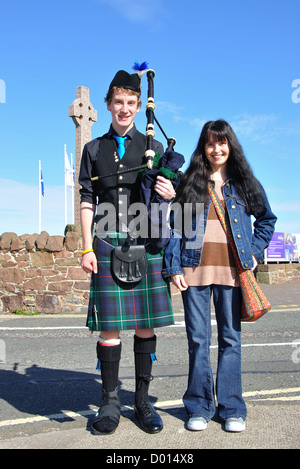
204, 265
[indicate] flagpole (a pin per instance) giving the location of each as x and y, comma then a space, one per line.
72, 189
40, 200
66, 217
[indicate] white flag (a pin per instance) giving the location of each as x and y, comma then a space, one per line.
69, 171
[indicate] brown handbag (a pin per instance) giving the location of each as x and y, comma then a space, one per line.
255, 303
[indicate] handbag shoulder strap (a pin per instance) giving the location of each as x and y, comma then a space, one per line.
221, 215
219, 209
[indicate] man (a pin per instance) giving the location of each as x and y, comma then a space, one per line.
115, 305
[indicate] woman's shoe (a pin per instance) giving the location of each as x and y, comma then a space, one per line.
235, 425
197, 424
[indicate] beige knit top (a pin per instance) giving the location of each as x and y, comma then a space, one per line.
217, 263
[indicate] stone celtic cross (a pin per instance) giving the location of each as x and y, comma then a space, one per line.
83, 115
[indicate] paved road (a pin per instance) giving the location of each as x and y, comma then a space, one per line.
49, 387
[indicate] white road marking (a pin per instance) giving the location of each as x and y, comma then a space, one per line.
41, 328
177, 323
159, 405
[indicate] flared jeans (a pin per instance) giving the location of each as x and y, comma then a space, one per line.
199, 398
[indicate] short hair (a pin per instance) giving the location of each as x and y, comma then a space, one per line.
110, 93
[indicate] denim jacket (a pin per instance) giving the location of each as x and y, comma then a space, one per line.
183, 251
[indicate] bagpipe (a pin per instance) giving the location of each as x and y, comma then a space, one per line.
166, 165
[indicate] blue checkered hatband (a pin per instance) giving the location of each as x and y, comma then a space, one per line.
114, 305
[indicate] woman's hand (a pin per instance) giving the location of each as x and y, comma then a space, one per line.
179, 282
89, 262
255, 263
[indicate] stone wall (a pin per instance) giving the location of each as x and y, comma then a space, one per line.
42, 273
278, 273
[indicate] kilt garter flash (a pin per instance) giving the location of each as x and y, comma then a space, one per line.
114, 305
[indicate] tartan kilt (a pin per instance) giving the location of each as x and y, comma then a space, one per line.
115, 306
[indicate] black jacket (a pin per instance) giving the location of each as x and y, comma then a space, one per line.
100, 157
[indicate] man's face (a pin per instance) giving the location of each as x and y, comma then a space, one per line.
123, 108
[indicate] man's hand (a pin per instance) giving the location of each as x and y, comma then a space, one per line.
89, 262
164, 188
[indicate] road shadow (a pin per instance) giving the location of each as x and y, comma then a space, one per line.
52, 393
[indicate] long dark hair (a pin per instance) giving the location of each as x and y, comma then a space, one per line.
194, 184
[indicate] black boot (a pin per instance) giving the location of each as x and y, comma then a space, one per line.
147, 416
108, 416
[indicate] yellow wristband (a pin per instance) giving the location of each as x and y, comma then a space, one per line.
86, 251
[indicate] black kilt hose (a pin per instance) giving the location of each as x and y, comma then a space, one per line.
114, 305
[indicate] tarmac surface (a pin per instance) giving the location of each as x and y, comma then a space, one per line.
273, 422
267, 427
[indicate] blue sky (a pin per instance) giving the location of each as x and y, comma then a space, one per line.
235, 60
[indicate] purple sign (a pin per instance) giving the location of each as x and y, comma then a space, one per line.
283, 247
275, 251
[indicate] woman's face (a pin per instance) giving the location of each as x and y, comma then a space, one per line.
217, 153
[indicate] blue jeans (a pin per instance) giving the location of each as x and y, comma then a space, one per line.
199, 398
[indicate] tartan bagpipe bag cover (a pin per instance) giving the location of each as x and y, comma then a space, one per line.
255, 304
